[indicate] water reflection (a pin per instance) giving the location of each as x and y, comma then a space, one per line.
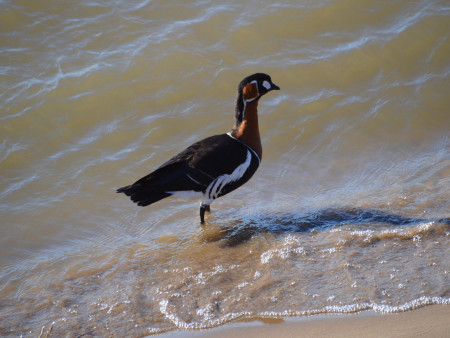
236, 233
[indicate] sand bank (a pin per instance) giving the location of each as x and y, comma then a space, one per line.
429, 321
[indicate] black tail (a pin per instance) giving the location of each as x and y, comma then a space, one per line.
142, 195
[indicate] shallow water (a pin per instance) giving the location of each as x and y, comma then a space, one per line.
348, 211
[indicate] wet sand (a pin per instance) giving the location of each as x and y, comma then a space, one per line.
429, 321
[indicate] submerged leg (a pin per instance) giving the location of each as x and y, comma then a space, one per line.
203, 208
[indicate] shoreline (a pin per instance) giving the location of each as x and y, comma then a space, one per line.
428, 321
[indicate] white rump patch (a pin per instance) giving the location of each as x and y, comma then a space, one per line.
267, 85
216, 186
186, 195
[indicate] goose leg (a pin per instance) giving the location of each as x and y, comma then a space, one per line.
203, 208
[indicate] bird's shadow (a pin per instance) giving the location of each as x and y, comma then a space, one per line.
241, 231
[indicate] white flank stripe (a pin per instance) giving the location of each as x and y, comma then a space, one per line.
216, 186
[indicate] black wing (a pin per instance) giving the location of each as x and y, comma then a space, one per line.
191, 170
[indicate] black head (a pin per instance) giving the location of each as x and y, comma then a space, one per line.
263, 84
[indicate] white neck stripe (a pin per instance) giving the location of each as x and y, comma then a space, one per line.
250, 148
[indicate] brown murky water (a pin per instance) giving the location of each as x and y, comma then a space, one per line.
349, 210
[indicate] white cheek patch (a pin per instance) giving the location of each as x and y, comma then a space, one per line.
267, 85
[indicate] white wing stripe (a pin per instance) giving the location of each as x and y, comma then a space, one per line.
189, 176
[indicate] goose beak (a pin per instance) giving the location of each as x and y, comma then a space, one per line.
274, 87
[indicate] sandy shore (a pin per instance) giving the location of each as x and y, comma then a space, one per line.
429, 321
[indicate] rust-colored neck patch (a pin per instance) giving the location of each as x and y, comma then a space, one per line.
250, 92
248, 129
